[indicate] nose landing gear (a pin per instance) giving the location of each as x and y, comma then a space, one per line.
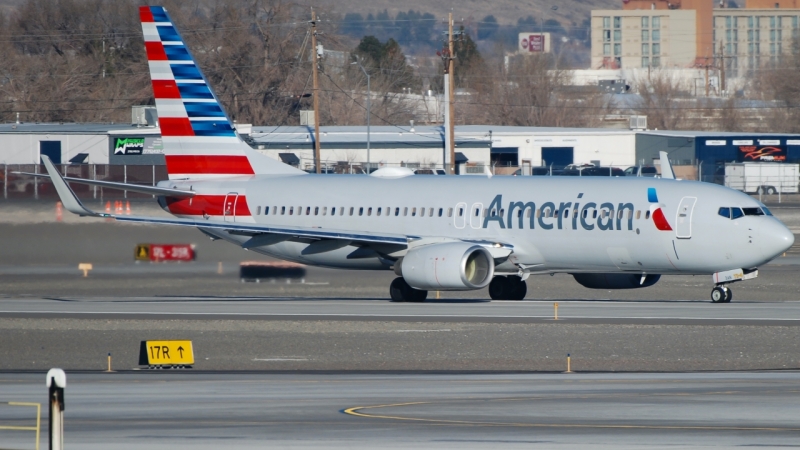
721, 294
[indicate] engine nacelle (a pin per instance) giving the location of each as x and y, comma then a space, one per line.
453, 266
614, 280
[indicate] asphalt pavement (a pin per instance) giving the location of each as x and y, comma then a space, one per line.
399, 411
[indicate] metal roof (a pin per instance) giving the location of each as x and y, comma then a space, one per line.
65, 128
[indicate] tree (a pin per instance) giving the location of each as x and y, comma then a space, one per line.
372, 48
487, 28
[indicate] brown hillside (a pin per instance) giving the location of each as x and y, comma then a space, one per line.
505, 11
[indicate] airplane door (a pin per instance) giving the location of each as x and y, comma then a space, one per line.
229, 207
683, 230
475, 216
460, 216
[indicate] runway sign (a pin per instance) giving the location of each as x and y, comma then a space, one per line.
164, 252
166, 353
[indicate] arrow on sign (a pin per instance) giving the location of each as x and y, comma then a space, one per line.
180, 349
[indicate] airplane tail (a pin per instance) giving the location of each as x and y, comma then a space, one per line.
198, 137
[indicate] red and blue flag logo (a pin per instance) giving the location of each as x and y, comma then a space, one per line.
655, 211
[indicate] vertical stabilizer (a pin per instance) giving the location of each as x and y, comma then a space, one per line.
199, 139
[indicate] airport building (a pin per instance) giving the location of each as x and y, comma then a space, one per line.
693, 33
345, 149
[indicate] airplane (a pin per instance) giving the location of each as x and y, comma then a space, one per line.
446, 233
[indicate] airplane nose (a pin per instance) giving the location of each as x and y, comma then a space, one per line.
775, 238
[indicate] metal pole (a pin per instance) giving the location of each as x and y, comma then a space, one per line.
56, 383
125, 177
369, 104
5, 181
36, 183
451, 69
94, 177
317, 161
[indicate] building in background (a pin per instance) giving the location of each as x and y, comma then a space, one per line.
693, 33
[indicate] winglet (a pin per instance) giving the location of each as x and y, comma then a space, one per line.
68, 198
666, 167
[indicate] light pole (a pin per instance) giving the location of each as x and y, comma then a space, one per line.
369, 96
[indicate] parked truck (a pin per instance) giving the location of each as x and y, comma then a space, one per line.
763, 178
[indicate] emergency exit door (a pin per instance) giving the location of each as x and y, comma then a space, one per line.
683, 229
229, 207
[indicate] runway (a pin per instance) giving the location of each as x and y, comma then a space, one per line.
446, 311
337, 411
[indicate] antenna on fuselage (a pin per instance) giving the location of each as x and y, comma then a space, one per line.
666, 167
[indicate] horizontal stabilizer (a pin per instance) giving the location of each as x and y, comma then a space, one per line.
152, 190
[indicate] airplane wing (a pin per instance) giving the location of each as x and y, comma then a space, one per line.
73, 205
153, 190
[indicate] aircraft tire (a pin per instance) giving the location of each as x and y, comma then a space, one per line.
400, 291
718, 295
728, 295
498, 288
519, 288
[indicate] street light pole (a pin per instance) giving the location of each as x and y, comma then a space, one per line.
369, 98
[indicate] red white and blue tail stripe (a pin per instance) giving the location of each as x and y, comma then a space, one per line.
199, 139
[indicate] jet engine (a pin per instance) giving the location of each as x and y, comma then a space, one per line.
615, 280
454, 266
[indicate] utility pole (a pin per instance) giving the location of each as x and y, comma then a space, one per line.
314, 69
450, 71
721, 68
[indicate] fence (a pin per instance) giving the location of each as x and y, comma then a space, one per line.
24, 187
36, 428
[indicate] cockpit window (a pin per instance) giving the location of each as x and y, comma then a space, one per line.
736, 213
766, 211
725, 212
753, 212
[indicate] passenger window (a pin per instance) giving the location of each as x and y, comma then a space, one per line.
485, 212
494, 212
316, 210
538, 213
396, 212
369, 211
519, 212
291, 210
258, 210
441, 212
333, 211
430, 212
460, 212
502, 212
361, 211
413, 212
266, 210
283, 210
341, 211
422, 212
449, 212
378, 212
638, 215
725, 212
324, 210
308, 211
647, 216
736, 213
275, 210
566, 213
405, 211
351, 210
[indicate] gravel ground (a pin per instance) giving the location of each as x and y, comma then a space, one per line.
38, 344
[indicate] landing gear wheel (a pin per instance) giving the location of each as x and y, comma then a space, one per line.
728, 295
498, 288
400, 291
507, 288
720, 294
519, 288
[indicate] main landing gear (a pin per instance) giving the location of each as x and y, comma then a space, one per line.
721, 294
508, 288
400, 291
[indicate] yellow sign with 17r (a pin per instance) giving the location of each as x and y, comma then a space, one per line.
166, 353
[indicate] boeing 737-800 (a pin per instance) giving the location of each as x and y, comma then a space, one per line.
438, 232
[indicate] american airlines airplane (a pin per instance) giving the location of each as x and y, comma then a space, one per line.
441, 233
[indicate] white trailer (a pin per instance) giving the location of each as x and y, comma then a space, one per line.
762, 178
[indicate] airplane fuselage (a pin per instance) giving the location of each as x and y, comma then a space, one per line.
555, 224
